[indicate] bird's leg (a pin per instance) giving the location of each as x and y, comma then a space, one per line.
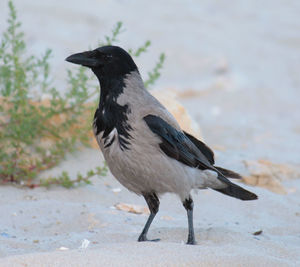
153, 204
189, 204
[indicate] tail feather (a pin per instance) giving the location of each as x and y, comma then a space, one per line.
228, 173
234, 190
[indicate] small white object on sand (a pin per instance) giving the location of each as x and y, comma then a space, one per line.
63, 248
84, 244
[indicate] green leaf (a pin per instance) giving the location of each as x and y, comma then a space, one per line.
34, 131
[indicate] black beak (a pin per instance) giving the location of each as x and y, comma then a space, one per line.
84, 59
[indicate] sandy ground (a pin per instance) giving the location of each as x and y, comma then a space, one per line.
39, 222
236, 66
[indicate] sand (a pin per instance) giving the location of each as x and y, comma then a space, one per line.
38, 225
235, 67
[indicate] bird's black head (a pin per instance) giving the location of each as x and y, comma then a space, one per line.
111, 64
105, 61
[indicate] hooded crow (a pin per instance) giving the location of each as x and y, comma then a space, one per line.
142, 143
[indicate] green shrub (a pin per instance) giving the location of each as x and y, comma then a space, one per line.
36, 133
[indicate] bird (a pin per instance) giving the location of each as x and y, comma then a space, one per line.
143, 144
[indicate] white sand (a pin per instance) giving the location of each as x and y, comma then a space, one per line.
243, 57
38, 222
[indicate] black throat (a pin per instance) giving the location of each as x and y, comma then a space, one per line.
110, 114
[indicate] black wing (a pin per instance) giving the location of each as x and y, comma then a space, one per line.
208, 153
177, 145
193, 153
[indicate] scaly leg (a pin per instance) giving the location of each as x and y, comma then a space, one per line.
153, 204
189, 204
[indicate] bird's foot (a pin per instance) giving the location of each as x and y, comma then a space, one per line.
191, 241
143, 238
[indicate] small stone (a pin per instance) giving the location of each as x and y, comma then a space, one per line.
116, 190
259, 232
63, 248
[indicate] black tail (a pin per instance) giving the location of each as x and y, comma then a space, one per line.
236, 191
228, 173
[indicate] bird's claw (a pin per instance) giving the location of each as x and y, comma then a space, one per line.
191, 242
144, 238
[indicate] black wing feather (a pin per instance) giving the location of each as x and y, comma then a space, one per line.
209, 154
192, 152
176, 144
